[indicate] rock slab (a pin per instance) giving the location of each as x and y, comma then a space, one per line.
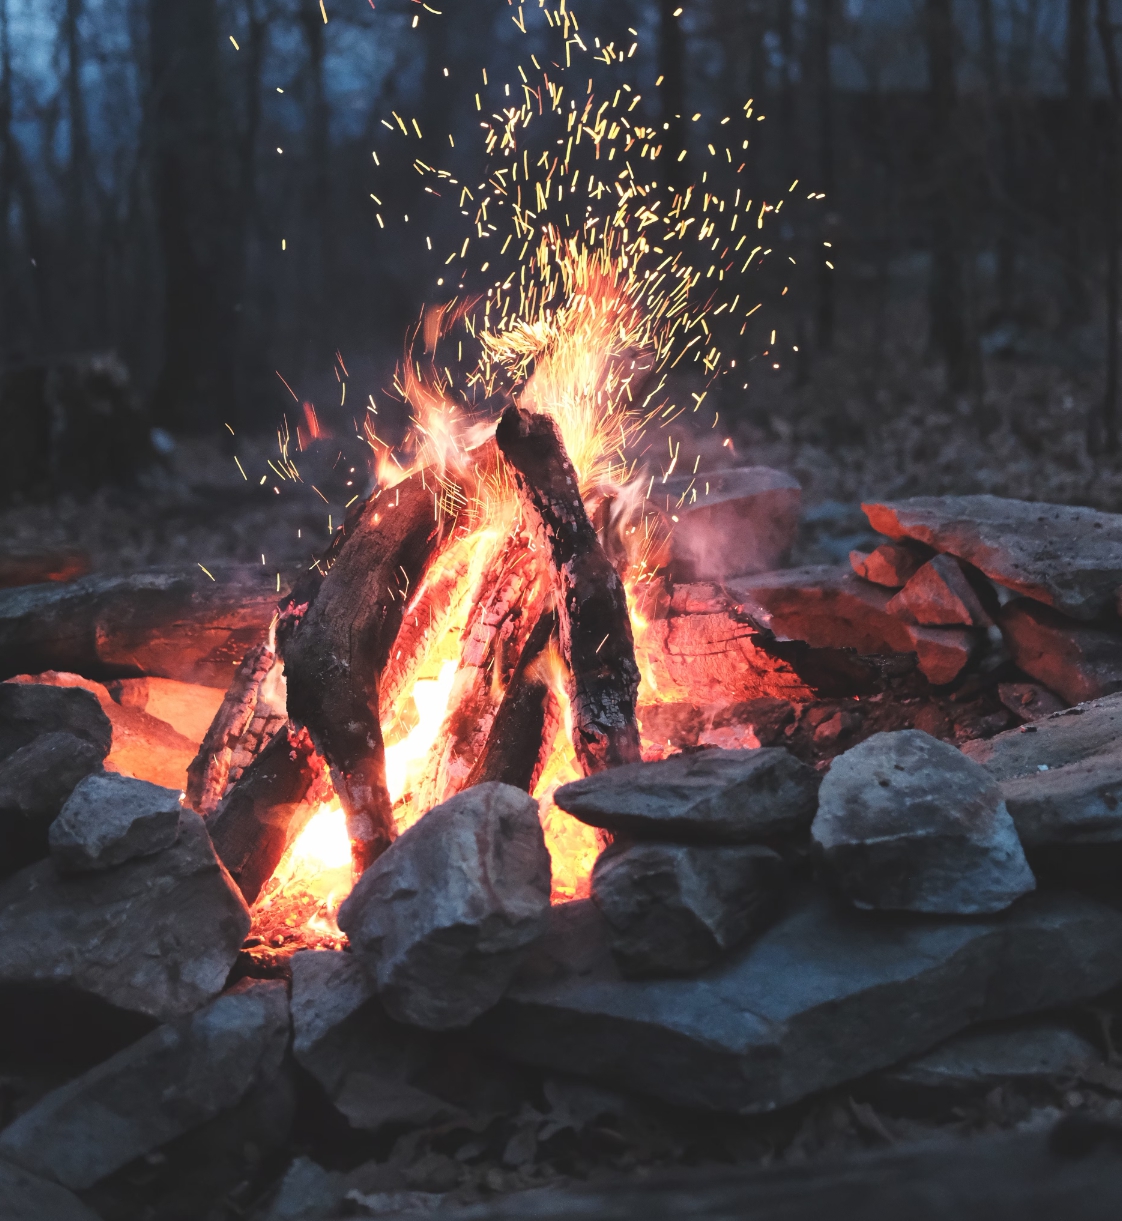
703, 796
29, 710
1066, 557
891, 564
27, 1197
157, 935
1079, 663
172, 1080
824, 996
109, 819
443, 917
675, 909
939, 595
906, 822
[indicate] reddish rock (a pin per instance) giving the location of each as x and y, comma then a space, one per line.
1066, 557
1077, 662
892, 564
939, 595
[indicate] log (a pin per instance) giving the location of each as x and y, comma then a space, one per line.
595, 626
336, 644
268, 808
168, 623
525, 725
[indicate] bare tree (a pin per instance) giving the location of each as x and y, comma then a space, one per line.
78, 174
820, 42
1077, 127
1106, 32
6, 276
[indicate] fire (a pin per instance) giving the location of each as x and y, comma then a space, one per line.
403, 758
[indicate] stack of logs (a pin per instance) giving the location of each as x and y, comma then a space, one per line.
347, 639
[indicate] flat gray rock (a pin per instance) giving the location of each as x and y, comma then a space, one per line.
28, 710
1078, 662
111, 819
675, 909
167, 1083
1063, 556
722, 523
1053, 741
361, 1058
908, 823
35, 782
703, 796
26, 1197
1080, 803
157, 935
444, 915
824, 996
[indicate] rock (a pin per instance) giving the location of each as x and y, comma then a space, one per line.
908, 823
111, 819
723, 523
35, 782
976, 1061
1029, 701
442, 918
307, 1192
829, 607
939, 595
675, 909
1080, 803
1066, 557
824, 996
1054, 741
188, 708
363, 1059
701, 796
169, 1082
157, 935
891, 564
26, 712
23, 567
26, 1197
1079, 663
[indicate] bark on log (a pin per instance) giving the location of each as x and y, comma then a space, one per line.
526, 723
335, 649
268, 808
595, 626
167, 623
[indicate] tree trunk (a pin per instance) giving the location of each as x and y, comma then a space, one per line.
7, 279
1078, 126
317, 246
1106, 33
77, 178
822, 41
672, 68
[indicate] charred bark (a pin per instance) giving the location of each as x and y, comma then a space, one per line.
335, 653
268, 808
595, 625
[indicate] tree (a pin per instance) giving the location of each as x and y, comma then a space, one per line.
1078, 125
78, 174
1106, 32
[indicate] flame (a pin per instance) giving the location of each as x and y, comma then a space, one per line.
404, 758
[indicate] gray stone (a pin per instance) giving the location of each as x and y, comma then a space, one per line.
29, 710
976, 1061
167, 1083
829, 607
891, 564
723, 523
1077, 662
1080, 803
307, 1192
1064, 556
1029, 701
701, 796
35, 782
908, 823
26, 1197
443, 917
675, 909
939, 595
361, 1058
157, 935
824, 996
109, 819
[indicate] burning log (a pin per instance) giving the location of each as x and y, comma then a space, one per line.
595, 626
526, 723
268, 808
336, 646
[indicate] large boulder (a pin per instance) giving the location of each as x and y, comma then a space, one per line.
27, 1197
29, 710
700, 796
1064, 556
443, 917
157, 935
109, 819
824, 996
169, 1082
1076, 661
908, 823
675, 909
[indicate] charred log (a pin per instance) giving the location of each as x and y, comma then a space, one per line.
595, 626
526, 722
268, 808
334, 650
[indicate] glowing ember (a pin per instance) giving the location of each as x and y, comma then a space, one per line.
405, 758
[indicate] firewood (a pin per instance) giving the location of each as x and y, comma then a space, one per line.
271, 804
336, 644
595, 626
526, 723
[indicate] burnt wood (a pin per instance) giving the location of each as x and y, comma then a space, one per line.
595, 626
336, 643
265, 811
